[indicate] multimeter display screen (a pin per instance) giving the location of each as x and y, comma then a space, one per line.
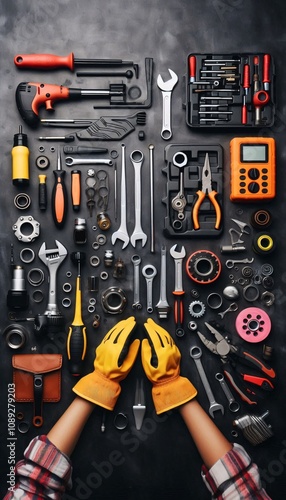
254, 153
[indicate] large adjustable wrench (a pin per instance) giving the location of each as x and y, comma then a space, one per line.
166, 88
179, 291
121, 233
52, 319
137, 159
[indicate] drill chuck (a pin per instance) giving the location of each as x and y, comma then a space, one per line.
20, 159
17, 297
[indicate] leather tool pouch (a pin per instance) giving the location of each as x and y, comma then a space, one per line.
37, 379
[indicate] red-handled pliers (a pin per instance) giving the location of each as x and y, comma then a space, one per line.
229, 354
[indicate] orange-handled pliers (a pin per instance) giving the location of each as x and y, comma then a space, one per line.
206, 191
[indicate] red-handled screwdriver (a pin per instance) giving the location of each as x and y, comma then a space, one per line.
266, 71
246, 86
192, 68
59, 195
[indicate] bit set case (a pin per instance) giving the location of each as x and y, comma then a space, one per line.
230, 90
184, 171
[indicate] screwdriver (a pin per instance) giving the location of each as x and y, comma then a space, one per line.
76, 189
42, 192
59, 195
52, 61
76, 341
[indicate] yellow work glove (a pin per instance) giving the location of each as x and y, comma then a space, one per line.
114, 358
161, 362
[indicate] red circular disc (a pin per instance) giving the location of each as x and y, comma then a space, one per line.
253, 324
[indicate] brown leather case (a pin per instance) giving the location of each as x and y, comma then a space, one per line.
37, 379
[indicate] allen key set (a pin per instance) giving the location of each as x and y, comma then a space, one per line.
230, 90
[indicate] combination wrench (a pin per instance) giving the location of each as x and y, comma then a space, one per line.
137, 159
233, 405
196, 353
178, 291
121, 233
163, 306
149, 272
136, 261
166, 88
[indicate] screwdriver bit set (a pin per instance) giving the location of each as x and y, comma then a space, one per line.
230, 90
184, 187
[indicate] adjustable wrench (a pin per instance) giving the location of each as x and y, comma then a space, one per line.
149, 272
163, 307
195, 353
179, 291
136, 261
121, 233
51, 320
166, 88
137, 159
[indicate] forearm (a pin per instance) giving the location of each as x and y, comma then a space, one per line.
210, 442
67, 430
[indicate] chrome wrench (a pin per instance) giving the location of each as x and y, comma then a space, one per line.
137, 159
166, 88
51, 320
136, 261
233, 405
149, 272
196, 353
71, 162
121, 233
163, 307
178, 291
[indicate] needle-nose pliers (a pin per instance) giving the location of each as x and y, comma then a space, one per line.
206, 190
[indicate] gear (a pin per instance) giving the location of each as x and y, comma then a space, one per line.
197, 309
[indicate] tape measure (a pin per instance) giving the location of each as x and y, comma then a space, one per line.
253, 168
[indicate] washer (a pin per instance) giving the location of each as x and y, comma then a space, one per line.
214, 300
22, 201
27, 255
94, 261
36, 271
15, 336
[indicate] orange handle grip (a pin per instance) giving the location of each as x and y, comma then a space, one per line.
212, 197
196, 209
44, 61
76, 189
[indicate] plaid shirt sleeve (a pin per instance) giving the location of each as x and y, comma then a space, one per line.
44, 472
234, 476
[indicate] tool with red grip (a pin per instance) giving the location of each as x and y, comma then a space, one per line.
178, 291
31, 96
59, 195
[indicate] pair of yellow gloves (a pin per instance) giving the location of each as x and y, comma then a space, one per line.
115, 357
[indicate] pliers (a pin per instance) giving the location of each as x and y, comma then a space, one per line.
230, 355
206, 190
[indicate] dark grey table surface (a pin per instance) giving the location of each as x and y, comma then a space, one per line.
160, 460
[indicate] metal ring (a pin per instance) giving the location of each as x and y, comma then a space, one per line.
52, 149
41, 149
33, 281
67, 287
248, 295
268, 298
92, 301
120, 421
94, 261
192, 325
42, 162
91, 308
184, 159
15, 336
113, 300
27, 260
101, 239
22, 201
95, 245
20, 415
38, 296
104, 275
68, 274
214, 300
66, 302
23, 427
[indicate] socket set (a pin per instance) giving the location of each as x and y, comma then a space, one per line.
230, 90
190, 213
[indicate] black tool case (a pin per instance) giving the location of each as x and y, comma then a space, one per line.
174, 228
218, 92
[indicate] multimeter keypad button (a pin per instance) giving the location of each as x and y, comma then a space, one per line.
242, 170
253, 173
253, 187
242, 184
264, 177
242, 191
264, 184
264, 171
242, 177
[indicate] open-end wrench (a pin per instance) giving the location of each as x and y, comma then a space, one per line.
149, 272
231, 263
121, 233
166, 88
71, 162
163, 306
136, 261
233, 405
178, 291
52, 319
137, 159
195, 353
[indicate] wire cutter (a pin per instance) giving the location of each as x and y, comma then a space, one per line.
230, 355
206, 190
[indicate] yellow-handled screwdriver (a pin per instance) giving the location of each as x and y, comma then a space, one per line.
77, 341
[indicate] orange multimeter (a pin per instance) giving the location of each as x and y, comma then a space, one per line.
253, 168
